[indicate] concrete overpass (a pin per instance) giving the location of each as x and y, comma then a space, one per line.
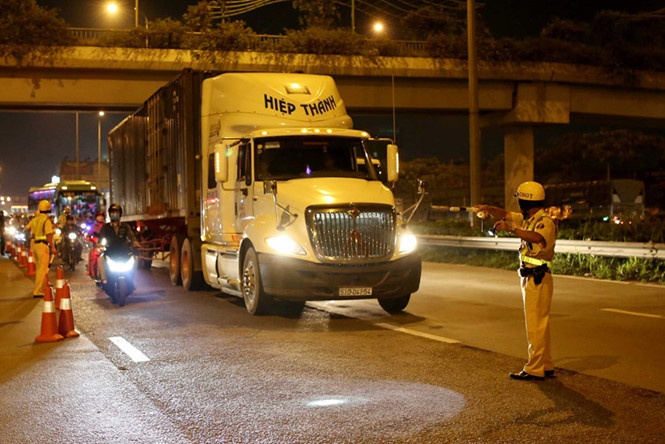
515, 96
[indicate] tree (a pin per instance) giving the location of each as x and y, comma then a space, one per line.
27, 30
317, 13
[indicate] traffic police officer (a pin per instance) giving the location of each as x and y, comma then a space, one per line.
41, 238
538, 234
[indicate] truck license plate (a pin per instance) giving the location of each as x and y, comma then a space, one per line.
355, 291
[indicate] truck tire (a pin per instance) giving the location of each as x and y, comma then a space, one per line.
174, 259
395, 305
191, 279
257, 302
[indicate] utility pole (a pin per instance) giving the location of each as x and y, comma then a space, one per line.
474, 116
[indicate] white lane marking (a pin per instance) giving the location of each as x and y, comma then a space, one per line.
417, 333
633, 313
131, 351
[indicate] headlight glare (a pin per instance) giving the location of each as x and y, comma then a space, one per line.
284, 244
407, 243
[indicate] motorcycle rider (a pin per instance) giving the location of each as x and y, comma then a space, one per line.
71, 227
118, 236
93, 237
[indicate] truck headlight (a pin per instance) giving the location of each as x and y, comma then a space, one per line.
407, 243
284, 244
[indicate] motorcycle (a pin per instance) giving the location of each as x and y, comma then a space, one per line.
120, 268
71, 249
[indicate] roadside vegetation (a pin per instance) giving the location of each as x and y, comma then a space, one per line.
623, 269
619, 42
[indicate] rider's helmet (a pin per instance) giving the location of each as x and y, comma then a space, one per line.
67, 210
44, 206
530, 195
115, 212
100, 217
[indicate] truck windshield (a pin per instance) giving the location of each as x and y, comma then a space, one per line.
294, 157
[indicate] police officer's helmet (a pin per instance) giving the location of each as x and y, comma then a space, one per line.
115, 212
531, 191
44, 206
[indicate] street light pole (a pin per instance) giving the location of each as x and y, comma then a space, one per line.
474, 117
99, 149
136, 13
353, 15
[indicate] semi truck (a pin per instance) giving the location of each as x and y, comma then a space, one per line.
260, 187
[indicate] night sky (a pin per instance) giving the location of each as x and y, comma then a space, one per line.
53, 134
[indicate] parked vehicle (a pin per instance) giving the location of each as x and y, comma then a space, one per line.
264, 191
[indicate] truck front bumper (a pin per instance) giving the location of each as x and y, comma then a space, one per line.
298, 280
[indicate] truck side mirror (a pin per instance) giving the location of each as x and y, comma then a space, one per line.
221, 164
392, 163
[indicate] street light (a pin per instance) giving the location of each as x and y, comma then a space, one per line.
378, 28
99, 148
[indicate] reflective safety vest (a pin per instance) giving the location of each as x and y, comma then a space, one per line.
39, 229
528, 259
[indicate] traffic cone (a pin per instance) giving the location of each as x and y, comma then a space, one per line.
49, 323
17, 251
59, 285
23, 260
66, 322
32, 270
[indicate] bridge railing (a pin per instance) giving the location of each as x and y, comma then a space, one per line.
258, 42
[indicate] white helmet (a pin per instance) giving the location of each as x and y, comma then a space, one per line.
530, 191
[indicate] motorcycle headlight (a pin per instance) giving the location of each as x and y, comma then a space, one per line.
407, 243
71, 236
284, 244
120, 266
58, 231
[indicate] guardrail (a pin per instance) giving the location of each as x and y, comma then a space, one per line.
257, 42
647, 250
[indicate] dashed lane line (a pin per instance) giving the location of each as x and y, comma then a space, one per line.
633, 313
134, 353
417, 333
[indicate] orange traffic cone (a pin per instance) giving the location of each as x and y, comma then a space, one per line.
17, 251
66, 323
59, 286
49, 324
23, 260
32, 270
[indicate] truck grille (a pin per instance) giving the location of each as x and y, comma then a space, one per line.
352, 233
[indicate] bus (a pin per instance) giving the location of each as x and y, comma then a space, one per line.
82, 197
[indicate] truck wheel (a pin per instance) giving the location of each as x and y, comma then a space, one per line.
395, 305
256, 301
191, 279
174, 259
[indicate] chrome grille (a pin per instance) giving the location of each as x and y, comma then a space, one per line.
352, 233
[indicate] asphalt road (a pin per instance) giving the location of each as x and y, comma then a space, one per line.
342, 372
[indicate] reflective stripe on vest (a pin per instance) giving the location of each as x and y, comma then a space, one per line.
534, 261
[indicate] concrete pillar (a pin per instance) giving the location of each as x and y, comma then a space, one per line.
518, 161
